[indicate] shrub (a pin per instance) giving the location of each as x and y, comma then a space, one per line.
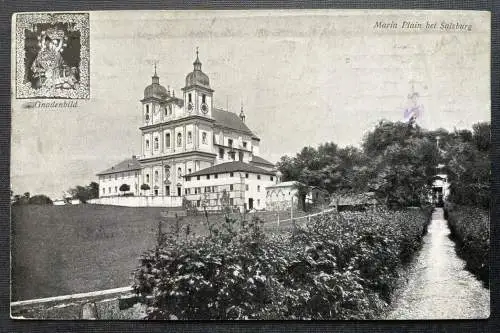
470, 229
339, 266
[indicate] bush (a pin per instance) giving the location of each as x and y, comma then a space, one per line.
339, 266
470, 229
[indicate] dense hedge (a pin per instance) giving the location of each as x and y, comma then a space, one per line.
470, 229
339, 266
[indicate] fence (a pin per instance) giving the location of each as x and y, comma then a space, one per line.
139, 201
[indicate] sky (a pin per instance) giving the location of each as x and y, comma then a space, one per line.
303, 78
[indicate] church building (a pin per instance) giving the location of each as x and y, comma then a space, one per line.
186, 138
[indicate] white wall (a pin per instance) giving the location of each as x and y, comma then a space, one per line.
113, 181
240, 194
139, 201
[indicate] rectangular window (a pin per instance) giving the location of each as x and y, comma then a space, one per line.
231, 187
244, 145
231, 174
197, 177
185, 191
246, 187
207, 189
232, 155
208, 176
103, 190
230, 142
188, 179
213, 189
167, 190
216, 175
167, 140
221, 153
198, 203
246, 175
116, 189
258, 176
258, 188
272, 178
190, 98
203, 98
189, 171
231, 201
258, 202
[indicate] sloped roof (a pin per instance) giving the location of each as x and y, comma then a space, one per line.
230, 167
290, 183
367, 198
260, 160
126, 165
230, 120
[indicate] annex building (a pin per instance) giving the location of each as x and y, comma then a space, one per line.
192, 149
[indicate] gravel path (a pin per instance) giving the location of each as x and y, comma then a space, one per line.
438, 286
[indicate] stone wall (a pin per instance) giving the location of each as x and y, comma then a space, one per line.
119, 303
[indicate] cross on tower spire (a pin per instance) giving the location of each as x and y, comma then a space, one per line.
155, 78
197, 62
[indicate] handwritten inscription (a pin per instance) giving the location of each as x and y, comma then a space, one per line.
416, 25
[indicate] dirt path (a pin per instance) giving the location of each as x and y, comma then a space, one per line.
438, 286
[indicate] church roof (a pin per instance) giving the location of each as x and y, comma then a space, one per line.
130, 164
230, 120
230, 167
260, 160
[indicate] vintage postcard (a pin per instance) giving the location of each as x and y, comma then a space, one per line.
250, 164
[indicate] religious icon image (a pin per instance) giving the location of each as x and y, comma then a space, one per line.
52, 56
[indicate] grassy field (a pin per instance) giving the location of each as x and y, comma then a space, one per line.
59, 250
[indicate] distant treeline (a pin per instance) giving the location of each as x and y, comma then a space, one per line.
398, 162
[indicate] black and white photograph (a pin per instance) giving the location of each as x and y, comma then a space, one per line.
250, 165
52, 55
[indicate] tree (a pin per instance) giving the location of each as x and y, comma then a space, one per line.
145, 187
80, 193
40, 199
124, 188
302, 192
481, 135
93, 190
403, 161
468, 167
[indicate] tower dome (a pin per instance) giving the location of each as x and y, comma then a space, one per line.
155, 89
197, 77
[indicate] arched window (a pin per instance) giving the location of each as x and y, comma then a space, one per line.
156, 176
167, 140
179, 172
157, 145
147, 144
190, 137
204, 138
147, 178
179, 139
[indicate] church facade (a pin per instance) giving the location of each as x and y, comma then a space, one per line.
185, 137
